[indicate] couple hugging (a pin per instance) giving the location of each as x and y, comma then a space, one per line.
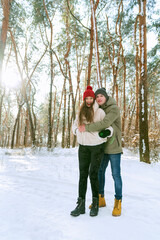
97, 113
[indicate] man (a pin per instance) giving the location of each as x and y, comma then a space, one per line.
113, 148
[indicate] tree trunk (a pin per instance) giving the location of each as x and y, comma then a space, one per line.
93, 8
4, 30
32, 127
124, 94
64, 117
50, 109
15, 125
143, 113
17, 133
51, 82
69, 124
130, 122
90, 54
58, 118
137, 90
1, 104
137, 59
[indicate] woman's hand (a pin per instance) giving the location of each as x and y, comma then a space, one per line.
82, 128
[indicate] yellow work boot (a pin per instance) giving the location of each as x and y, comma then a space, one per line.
117, 208
102, 202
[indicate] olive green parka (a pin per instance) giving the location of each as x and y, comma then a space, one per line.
112, 118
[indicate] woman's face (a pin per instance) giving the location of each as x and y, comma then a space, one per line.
100, 99
89, 101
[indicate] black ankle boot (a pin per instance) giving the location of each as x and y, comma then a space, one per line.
80, 209
95, 207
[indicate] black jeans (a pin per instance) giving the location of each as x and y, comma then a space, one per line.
89, 162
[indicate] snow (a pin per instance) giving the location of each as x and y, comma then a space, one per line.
39, 189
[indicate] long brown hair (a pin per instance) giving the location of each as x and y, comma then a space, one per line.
86, 113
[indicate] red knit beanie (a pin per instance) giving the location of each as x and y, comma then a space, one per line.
88, 93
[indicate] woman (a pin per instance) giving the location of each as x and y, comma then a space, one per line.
91, 149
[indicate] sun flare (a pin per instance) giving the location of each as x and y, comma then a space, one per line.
10, 79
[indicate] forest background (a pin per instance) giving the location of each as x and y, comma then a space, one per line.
51, 50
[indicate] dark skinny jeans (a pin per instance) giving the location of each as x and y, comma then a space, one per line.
89, 162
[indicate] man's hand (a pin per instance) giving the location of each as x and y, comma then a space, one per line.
82, 128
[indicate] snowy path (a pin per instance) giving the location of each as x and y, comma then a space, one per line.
38, 191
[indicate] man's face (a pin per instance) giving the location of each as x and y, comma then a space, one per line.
100, 99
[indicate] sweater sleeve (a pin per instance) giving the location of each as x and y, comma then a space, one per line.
75, 125
105, 123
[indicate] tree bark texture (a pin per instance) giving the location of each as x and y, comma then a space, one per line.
143, 92
4, 30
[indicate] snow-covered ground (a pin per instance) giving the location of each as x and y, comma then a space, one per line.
38, 191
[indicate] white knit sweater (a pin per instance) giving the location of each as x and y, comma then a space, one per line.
90, 138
